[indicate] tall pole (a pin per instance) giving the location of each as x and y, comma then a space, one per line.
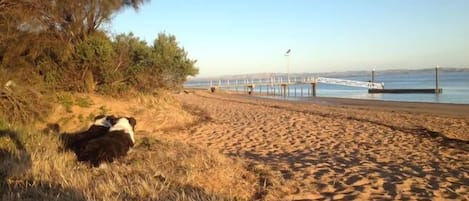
287, 54
288, 68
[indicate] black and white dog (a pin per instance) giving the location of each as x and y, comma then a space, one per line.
110, 146
100, 127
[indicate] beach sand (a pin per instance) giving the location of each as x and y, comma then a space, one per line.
340, 148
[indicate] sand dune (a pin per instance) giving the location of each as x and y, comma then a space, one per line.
339, 152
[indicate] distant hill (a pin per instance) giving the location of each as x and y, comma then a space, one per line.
324, 74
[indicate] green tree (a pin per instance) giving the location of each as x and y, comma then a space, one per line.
59, 43
133, 60
95, 55
172, 61
46, 33
163, 65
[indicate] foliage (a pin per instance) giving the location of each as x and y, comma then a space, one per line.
20, 103
172, 60
53, 46
146, 68
62, 43
95, 56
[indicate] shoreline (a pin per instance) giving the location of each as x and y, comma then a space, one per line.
450, 109
446, 109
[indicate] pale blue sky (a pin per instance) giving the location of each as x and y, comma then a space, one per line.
251, 36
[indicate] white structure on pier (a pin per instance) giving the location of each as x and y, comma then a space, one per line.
352, 83
279, 81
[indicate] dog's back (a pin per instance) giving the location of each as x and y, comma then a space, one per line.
115, 144
107, 148
100, 127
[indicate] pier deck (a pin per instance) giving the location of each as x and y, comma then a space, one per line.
406, 91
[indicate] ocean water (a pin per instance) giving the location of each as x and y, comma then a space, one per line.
455, 87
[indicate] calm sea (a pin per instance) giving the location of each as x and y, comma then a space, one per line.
455, 87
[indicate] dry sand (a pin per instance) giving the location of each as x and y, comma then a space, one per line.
342, 149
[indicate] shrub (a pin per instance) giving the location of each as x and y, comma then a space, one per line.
21, 104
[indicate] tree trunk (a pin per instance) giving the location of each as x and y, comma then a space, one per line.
90, 85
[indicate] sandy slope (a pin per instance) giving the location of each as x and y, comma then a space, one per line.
339, 152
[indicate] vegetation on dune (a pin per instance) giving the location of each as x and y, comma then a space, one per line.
48, 46
34, 165
20, 104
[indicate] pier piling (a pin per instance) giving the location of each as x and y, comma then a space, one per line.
313, 87
437, 88
284, 86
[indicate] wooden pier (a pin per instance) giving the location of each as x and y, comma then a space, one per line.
278, 86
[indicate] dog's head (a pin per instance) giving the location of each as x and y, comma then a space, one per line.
125, 124
132, 121
105, 121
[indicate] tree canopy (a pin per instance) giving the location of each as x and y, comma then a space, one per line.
60, 44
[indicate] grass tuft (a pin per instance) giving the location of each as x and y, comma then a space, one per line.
66, 100
84, 102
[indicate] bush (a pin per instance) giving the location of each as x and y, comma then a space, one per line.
95, 55
21, 104
173, 61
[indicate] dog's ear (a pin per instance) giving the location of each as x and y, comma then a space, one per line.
99, 117
132, 121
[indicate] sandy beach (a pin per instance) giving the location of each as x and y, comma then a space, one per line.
340, 148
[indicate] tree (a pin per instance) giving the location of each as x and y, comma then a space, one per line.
172, 61
50, 36
59, 43
146, 68
31, 29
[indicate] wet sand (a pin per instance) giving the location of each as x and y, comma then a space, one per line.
441, 109
341, 148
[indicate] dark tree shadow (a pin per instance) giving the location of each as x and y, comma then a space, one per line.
14, 163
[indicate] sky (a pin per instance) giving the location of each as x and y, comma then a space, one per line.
231, 37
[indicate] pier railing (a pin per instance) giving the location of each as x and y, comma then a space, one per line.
280, 86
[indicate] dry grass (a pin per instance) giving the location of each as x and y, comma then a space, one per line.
152, 113
34, 168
